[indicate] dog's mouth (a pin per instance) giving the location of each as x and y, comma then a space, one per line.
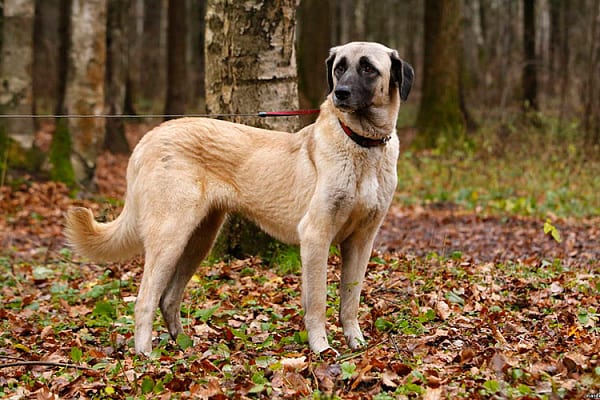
351, 107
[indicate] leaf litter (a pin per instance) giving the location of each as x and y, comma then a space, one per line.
455, 304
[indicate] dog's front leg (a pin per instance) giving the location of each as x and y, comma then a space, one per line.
314, 249
356, 251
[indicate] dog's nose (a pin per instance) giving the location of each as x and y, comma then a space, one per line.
342, 92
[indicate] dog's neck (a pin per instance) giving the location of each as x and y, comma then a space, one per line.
367, 129
364, 141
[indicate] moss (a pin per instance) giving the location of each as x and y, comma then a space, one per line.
61, 168
13, 156
3, 154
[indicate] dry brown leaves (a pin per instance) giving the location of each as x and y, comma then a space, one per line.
456, 305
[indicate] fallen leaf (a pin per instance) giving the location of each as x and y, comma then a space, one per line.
574, 362
442, 310
295, 363
432, 393
327, 375
390, 379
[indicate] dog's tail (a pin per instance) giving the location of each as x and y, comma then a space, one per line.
112, 241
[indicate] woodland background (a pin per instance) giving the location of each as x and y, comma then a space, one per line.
485, 278
475, 60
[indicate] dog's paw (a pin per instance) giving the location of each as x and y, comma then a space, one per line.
143, 347
329, 353
354, 338
318, 342
356, 343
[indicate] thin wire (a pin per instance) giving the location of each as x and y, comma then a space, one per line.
126, 116
261, 114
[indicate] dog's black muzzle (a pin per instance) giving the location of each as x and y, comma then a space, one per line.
352, 94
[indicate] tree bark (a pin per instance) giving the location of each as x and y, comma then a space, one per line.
116, 74
314, 43
554, 43
16, 70
440, 113
250, 66
177, 80
530, 100
152, 54
195, 50
46, 56
85, 85
591, 119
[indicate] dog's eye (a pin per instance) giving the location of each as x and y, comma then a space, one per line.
367, 69
340, 69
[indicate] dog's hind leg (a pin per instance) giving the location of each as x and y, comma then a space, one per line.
165, 243
197, 248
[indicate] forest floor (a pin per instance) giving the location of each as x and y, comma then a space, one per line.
458, 302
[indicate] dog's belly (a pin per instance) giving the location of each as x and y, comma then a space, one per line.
278, 212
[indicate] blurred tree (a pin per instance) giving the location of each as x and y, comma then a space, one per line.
47, 60
195, 43
530, 91
440, 114
85, 85
152, 53
250, 66
554, 43
313, 45
591, 88
177, 80
116, 74
16, 72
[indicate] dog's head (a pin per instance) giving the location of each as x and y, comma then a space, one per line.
362, 75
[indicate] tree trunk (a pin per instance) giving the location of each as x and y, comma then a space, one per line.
59, 156
46, 57
16, 71
116, 74
530, 67
152, 55
314, 43
440, 114
567, 19
195, 50
85, 85
553, 44
250, 66
177, 80
591, 119
134, 40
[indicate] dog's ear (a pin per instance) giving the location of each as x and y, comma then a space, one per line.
402, 75
329, 63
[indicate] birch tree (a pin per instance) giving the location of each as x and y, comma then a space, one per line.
251, 60
85, 85
16, 67
250, 66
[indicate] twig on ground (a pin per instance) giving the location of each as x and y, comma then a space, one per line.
43, 363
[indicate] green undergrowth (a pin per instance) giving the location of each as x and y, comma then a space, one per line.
536, 167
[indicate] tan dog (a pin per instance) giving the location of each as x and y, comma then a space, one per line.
332, 182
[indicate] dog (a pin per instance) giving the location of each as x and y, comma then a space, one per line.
330, 183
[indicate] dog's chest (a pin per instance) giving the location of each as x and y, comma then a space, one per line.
370, 194
367, 205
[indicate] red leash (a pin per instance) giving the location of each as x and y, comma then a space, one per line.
287, 113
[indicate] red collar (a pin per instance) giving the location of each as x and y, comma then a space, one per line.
363, 141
